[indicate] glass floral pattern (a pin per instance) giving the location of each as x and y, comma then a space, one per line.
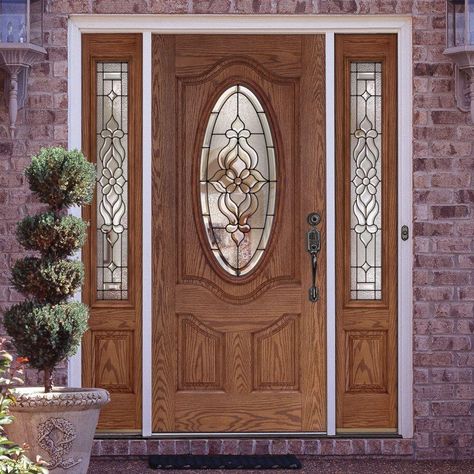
366, 229
238, 180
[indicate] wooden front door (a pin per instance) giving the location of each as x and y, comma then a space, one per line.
238, 165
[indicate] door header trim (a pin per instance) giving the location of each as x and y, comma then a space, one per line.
241, 24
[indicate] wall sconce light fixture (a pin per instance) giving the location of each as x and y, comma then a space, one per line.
460, 48
21, 45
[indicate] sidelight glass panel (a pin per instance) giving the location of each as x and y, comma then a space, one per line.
238, 180
112, 181
366, 185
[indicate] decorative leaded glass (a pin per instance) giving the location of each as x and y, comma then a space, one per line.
366, 193
112, 176
238, 180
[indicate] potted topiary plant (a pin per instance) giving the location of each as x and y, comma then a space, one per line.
57, 423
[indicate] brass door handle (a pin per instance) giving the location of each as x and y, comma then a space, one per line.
313, 237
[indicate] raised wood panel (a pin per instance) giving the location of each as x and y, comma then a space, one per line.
366, 330
113, 360
200, 356
366, 361
111, 349
276, 358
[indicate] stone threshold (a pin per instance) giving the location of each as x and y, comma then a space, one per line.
371, 447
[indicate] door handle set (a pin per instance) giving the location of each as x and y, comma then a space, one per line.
313, 237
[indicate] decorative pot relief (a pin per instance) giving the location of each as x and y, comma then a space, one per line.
56, 436
238, 180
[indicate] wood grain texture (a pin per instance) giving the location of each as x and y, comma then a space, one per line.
102, 358
189, 73
200, 355
366, 363
276, 355
366, 340
113, 355
199, 412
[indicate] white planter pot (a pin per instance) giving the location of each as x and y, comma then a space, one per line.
59, 426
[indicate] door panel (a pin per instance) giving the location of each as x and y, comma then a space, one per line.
237, 353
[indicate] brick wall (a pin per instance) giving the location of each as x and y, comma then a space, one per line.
443, 165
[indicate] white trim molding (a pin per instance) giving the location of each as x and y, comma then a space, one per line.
147, 250
330, 237
269, 24
74, 80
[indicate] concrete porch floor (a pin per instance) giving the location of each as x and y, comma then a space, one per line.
326, 466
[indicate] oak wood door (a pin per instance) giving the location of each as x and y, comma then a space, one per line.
237, 351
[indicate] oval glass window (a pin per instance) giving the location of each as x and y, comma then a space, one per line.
238, 180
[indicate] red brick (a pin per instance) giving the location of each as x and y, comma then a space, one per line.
374, 446
465, 391
436, 359
199, 446
69, 6
247, 446
96, 448
465, 326
168, 446
253, 6
153, 446
230, 446
359, 446
445, 440
450, 408
211, 6
262, 446
450, 212
405, 447
214, 446
327, 447
120, 6
390, 446
279, 446
452, 375
312, 447
466, 293
138, 447
293, 6
343, 447
183, 446
169, 6
295, 446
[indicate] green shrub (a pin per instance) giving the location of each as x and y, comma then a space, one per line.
61, 178
47, 280
46, 334
52, 236
46, 328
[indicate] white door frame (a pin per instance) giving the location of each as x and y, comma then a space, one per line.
268, 24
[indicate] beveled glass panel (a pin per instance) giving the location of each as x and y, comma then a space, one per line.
366, 185
238, 180
112, 181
